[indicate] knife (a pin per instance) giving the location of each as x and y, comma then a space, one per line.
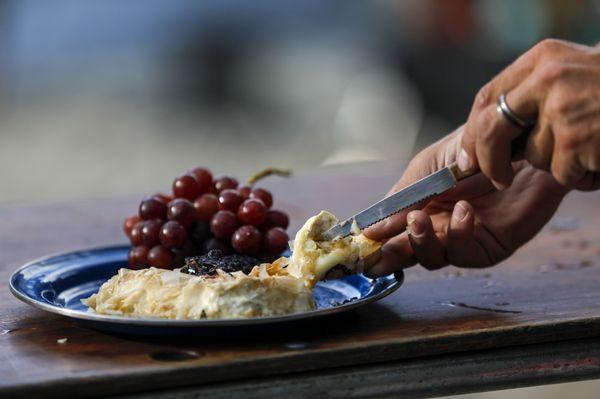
429, 186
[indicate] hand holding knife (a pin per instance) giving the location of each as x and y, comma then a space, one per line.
429, 186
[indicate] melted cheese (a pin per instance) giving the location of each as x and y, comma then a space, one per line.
174, 295
312, 259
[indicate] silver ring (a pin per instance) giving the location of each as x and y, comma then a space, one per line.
504, 110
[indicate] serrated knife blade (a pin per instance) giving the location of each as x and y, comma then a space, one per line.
434, 184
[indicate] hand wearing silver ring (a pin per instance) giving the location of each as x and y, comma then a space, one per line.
504, 110
557, 84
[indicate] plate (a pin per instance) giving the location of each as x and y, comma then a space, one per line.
57, 283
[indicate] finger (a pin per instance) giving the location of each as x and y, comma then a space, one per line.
590, 182
493, 146
389, 227
396, 254
529, 99
487, 97
505, 82
539, 146
432, 159
427, 247
589, 153
495, 132
461, 246
565, 166
590, 158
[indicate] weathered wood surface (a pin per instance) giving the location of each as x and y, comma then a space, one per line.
457, 373
548, 291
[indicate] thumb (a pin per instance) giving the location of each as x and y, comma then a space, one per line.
433, 158
390, 227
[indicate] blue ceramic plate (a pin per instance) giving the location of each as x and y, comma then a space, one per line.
58, 283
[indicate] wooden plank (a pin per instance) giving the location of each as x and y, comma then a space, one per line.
546, 292
461, 373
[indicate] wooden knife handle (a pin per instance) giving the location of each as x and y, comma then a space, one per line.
459, 174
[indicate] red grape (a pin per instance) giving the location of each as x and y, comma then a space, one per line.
276, 240
223, 224
214, 243
160, 257
186, 186
150, 232
200, 233
252, 212
129, 223
138, 257
178, 258
152, 208
246, 240
230, 200
263, 195
136, 234
206, 206
172, 235
224, 182
204, 179
182, 211
165, 199
212, 189
245, 191
188, 249
204, 213
277, 218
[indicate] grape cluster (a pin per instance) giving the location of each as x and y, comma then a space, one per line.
201, 215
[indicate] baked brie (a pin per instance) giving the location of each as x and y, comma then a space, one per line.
170, 294
279, 288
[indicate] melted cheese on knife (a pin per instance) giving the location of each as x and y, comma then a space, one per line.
282, 287
312, 259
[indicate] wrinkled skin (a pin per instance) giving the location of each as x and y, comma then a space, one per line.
556, 83
474, 225
488, 216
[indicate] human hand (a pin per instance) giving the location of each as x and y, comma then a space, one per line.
474, 224
556, 83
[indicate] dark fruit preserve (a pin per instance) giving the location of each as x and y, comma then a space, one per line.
207, 265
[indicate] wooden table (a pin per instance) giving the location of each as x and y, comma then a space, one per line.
534, 319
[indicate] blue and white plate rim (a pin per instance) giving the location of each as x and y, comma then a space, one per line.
158, 322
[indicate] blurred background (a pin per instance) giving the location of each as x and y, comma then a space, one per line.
114, 98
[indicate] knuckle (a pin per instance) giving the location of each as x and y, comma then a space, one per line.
420, 158
559, 103
553, 71
484, 95
567, 140
547, 46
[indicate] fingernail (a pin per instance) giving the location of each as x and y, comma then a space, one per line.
464, 161
460, 213
414, 228
499, 186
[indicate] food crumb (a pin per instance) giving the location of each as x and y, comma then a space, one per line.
61, 341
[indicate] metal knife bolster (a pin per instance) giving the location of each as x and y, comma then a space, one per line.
434, 184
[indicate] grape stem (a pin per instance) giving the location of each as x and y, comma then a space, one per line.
268, 172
